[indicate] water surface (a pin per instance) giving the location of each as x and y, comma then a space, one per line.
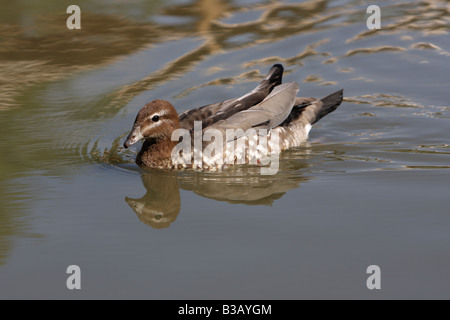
370, 187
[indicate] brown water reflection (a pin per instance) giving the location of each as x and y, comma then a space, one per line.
160, 206
52, 53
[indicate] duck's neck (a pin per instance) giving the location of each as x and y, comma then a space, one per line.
156, 152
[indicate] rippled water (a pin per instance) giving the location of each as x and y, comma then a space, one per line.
370, 187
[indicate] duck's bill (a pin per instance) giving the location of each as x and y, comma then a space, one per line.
132, 138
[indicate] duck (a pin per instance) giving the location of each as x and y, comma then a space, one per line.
249, 129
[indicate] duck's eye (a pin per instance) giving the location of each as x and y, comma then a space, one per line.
155, 118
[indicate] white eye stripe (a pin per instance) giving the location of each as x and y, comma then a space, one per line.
154, 124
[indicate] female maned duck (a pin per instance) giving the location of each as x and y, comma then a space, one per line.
267, 120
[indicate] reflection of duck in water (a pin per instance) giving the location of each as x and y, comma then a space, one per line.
271, 106
160, 206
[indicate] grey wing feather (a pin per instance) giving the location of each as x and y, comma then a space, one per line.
279, 103
213, 113
269, 113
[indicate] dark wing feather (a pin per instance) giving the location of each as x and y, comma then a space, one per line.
212, 113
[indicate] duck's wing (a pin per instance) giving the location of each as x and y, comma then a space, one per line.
269, 113
212, 113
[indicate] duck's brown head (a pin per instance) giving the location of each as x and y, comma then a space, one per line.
156, 120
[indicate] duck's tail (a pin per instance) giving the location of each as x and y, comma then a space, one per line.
307, 111
311, 110
319, 109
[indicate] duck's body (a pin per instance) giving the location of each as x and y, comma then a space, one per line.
267, 120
